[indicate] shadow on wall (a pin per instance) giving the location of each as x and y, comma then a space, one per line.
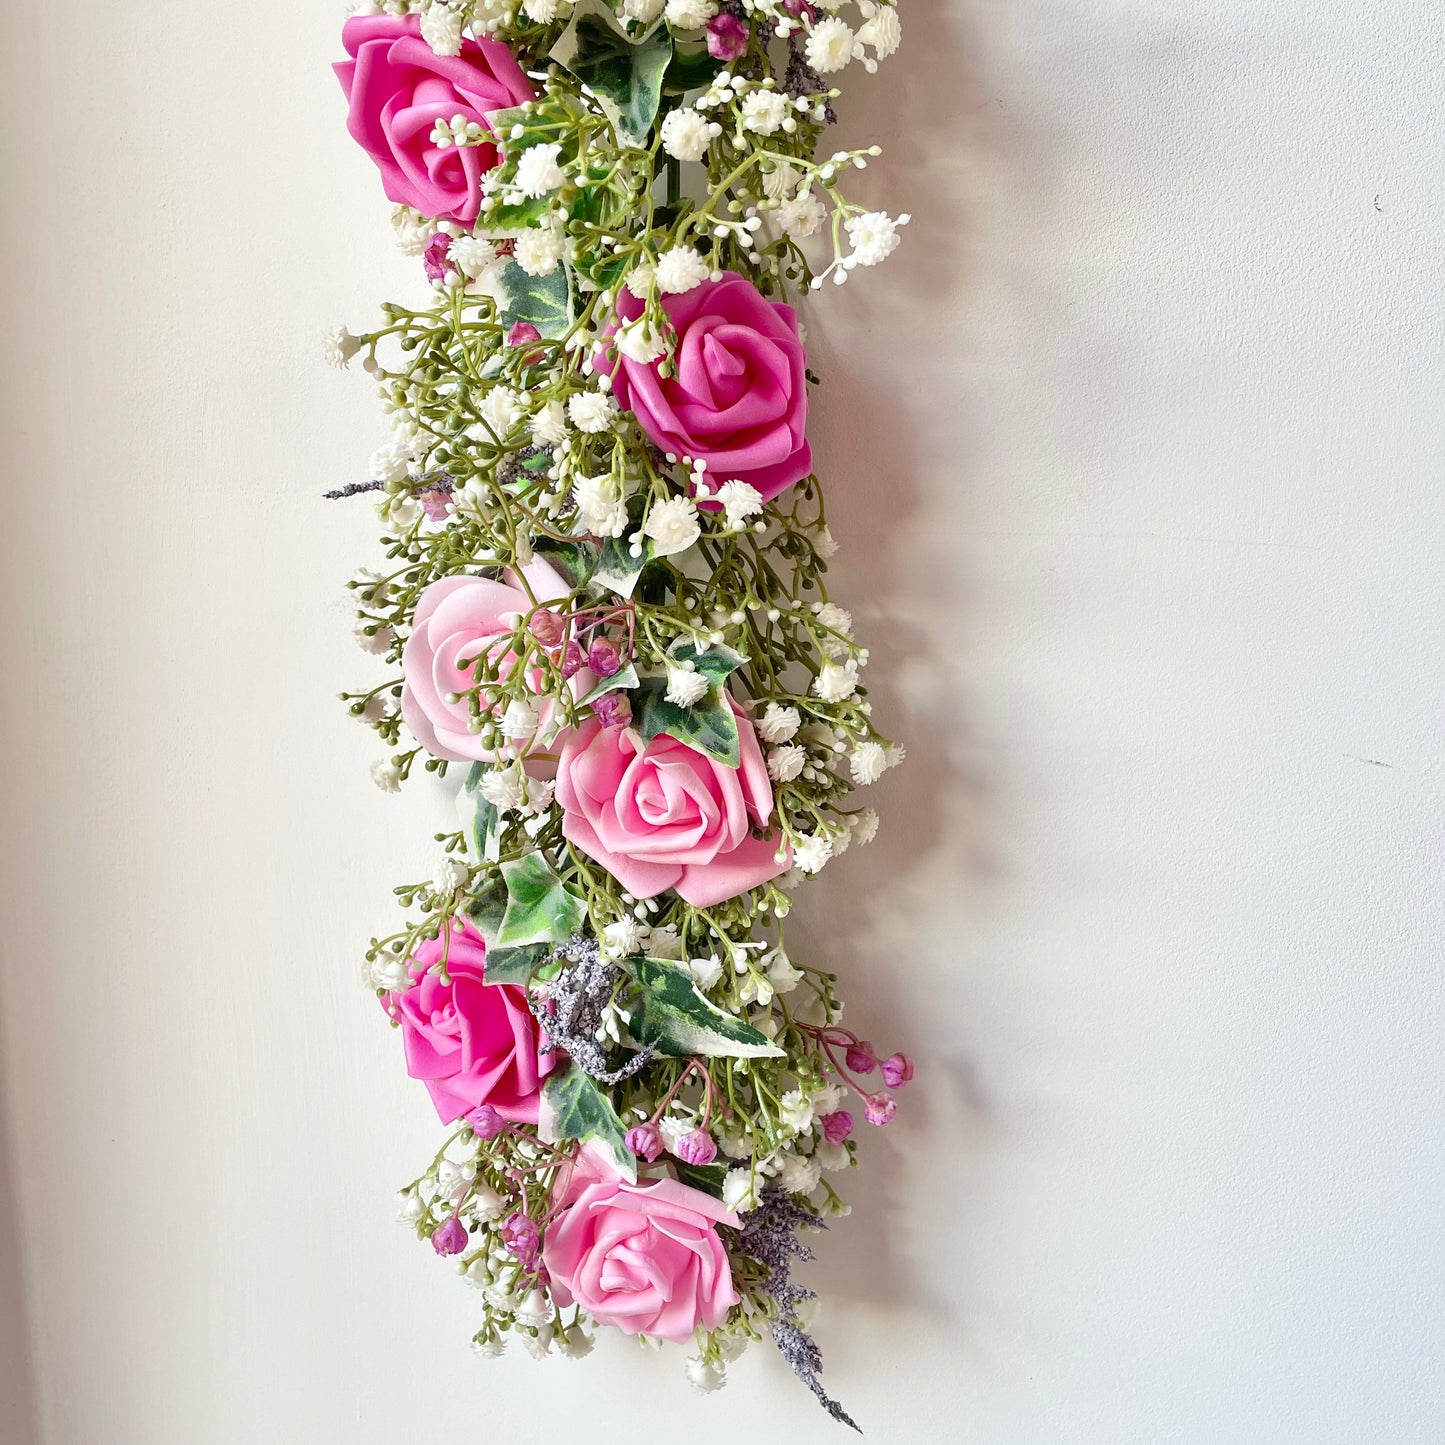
939, 809
17, 1383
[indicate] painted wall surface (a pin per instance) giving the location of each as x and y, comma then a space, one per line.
1135, 451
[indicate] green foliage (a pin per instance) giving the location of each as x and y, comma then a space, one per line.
573, 1107
670, 1011
625, 74
539, 909
709, 725
545, 301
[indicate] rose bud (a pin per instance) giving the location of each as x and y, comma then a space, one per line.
613, 710
547, 627
604, 659
696, 1147
727, 37
837, 1126
486, 1122
880, 1108
897, 1070
860, 1057
573, 660
449, 1238
645, 1140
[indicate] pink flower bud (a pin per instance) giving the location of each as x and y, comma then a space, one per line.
880, 1108
727, 37
573, 660
547, 627
486, 1122
799, 9
604, 659
520, 334
837, 1126
521, 1235
434, 258
449, 1238
860, 1057
696, 1147
613, 710
897, 1070
434, 503
645, 1140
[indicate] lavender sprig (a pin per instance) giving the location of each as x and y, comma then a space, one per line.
769, 1235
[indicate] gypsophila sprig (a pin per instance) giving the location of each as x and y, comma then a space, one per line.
601, 611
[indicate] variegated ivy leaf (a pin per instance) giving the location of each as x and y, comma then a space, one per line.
573, 561
545, 301
717, 663
671, 1012
625, 74
617, 569
709, 725
503, 965
626, 679
573, 1107
539, 908
481, 823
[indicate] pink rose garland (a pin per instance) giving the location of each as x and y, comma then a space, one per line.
399, 88
644, 1257
470, 1042
660, 814
738, 397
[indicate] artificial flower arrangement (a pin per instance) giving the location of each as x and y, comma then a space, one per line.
605, 596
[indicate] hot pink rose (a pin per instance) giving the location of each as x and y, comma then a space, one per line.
468, 1041
662, 815
738, 397
644, 1257
399, 87
457, 620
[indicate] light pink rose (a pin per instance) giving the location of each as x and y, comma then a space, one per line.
644, 1257
456, 621
399, 87
662, 815
470, 1042
738, 397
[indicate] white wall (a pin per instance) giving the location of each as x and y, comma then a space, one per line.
1135, 450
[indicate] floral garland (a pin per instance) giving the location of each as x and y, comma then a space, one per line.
604, 592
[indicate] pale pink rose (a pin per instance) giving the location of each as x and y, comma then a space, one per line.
644, 1257
738, 397
662, 815
470, 1042
456, 621
399, 87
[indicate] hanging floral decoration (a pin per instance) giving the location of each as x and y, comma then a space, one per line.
604, 613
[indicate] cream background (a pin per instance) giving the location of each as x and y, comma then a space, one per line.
1135, 452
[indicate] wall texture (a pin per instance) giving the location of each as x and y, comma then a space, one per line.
1135, 451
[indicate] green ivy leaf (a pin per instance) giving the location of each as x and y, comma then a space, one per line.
488, 908
545, 301
669, 1011
716, 663
625, 74
690, 70
707, 1177
617, 569
574, 561
481, 823
514, 965
539, 908
709, 725
625, 679
573, 1107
